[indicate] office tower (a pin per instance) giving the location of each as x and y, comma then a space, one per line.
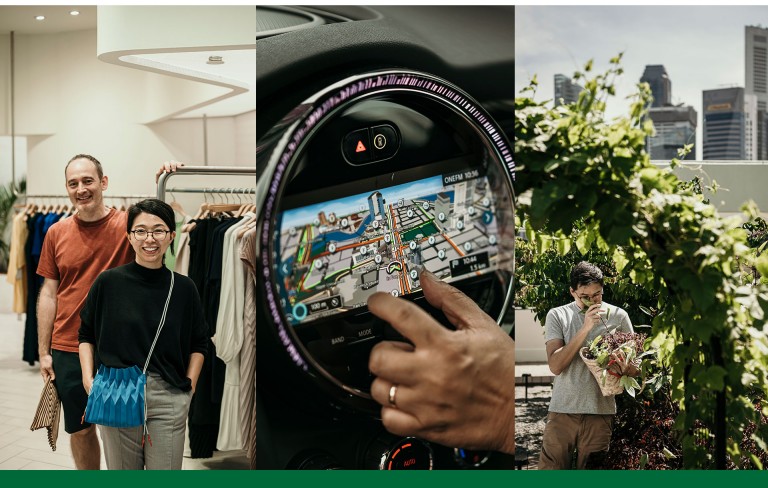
376, 205
661, 86
566, 91
675, 127
756, 77
730, 120
443, 204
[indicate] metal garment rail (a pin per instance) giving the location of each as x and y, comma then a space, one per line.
106, 196
235, 191
201, 170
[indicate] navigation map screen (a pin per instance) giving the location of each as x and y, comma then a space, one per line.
333, 255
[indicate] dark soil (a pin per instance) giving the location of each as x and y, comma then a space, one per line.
530, 417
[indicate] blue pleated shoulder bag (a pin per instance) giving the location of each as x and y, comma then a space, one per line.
118, 396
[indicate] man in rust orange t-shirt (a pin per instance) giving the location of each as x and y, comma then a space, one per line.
75, 251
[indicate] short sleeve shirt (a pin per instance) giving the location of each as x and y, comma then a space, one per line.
575, 390
74, 253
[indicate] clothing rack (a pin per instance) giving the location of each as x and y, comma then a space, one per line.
132, 197
200, 170
231, 191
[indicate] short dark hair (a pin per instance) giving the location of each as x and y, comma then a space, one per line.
585, 273
90, 158
154, 207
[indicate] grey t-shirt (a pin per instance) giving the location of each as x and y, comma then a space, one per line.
575, 390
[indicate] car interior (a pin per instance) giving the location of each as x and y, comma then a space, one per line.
383, 148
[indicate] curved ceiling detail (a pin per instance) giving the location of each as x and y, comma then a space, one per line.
179, 42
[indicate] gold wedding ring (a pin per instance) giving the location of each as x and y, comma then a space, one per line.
392, 393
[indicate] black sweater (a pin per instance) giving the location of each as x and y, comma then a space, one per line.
122, 312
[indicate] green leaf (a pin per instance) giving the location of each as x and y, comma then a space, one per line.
584, 241
619, 259
646, 311
643, 461
668, 454
713, 378
762, 264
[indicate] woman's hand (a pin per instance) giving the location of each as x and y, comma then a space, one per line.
88, 384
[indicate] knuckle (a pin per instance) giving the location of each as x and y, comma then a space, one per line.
403, 312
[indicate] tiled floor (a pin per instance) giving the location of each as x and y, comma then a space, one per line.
20, 387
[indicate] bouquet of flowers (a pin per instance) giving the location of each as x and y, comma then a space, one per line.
614, 359
611, 357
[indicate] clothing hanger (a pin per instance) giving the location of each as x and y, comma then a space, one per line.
176, 206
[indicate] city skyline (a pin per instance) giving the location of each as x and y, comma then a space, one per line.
701, 47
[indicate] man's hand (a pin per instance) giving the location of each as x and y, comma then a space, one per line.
592, 316
455, 388
46, 367
168, 167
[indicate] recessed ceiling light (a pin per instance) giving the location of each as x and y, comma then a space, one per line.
40, 17
215, 60
74, 12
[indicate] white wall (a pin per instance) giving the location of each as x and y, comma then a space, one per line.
529, 338
245, 139
69, 102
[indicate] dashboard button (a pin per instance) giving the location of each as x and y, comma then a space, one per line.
357, 146
385, 142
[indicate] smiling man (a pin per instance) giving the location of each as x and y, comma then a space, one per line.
580, 418
75, 251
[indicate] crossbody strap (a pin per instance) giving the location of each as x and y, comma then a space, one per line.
159, 327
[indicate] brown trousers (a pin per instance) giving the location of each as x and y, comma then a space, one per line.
565, 432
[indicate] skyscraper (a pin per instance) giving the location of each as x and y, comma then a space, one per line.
730, 119
376, 205
756, 77
675, 127
661, 86
566, 91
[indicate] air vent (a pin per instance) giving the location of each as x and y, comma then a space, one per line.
271, 21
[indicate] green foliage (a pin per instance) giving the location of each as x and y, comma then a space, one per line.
576, 167
542, 273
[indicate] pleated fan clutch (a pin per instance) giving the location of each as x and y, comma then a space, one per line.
48, 413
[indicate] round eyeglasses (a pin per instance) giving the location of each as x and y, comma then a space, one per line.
592, 297
157, 234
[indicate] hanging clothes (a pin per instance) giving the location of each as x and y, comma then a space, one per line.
248, 351
37, 225
209, 252
229, 335
17, 273
205, 409
172, 253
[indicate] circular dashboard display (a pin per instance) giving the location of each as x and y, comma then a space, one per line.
368, 183
410, 453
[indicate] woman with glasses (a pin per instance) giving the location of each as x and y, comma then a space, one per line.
580, 418
118, 325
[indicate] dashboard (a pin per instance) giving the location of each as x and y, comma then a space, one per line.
379, 154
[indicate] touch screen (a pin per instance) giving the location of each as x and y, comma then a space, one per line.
333, 255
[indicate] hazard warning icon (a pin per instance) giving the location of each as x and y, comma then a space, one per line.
356, 146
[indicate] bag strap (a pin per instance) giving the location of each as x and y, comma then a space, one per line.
160, 326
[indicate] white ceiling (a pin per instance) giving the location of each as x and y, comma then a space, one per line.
239, 66
21, 19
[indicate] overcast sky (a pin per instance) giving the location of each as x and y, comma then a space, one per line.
701, 47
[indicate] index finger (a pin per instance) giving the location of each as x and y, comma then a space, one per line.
407, 318
461, 310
